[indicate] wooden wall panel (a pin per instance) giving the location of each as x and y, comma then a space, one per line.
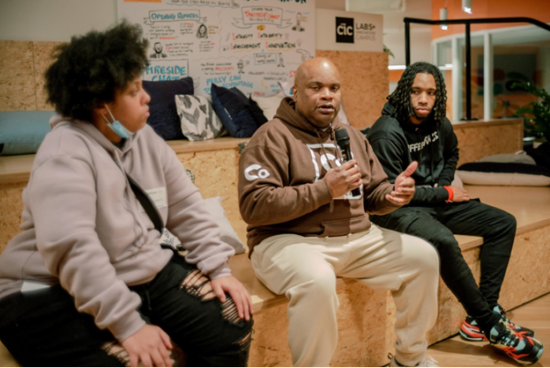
365, 83
477, 140
42, 59
17, 89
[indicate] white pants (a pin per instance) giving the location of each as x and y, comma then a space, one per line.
305, 270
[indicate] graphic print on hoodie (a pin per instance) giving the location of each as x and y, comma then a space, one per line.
434, 145
281, 186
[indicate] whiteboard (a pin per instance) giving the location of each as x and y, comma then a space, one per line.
248, 44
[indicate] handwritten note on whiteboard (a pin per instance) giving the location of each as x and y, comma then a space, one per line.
249, 44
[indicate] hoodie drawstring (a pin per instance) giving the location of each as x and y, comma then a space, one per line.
331, 133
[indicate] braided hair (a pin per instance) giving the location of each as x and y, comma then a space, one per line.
401, 97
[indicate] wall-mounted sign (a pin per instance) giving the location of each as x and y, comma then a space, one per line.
347, 31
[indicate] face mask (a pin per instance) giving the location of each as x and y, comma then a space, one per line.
117, 127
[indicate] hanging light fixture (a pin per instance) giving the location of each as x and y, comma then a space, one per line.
467, 6
443, 16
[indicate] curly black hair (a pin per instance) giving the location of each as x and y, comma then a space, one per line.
401, 97
89, 70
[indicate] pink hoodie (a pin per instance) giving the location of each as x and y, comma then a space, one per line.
83, 228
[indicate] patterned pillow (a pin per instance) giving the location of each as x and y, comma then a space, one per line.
286, 88
198, 119
269, 105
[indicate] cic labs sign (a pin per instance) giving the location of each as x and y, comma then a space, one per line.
349, 31
344, 30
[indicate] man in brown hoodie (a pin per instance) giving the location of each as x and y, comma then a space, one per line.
306, 227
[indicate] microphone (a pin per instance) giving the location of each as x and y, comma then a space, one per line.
342, 140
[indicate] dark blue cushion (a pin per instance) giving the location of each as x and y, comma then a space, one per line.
22, 132
240, 115
163, 116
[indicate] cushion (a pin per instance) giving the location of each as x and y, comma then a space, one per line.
240, 115
497, 173
342, 117
286, 88
269, 105
22, 132
197, 118
227, 234
163, 116
457, 182
520, 157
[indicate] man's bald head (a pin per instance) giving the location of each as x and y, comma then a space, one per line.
309, 66
316, 91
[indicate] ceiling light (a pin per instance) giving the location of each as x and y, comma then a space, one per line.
443, 16
467, 6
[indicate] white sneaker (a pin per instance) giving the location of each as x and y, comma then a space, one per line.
428, 361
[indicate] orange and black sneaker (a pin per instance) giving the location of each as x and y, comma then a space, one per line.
517, 329
472, 332
524, 350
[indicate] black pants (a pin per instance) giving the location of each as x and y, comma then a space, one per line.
437, 224
43, 328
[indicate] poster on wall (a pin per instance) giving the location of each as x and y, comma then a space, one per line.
349, 31
249, 44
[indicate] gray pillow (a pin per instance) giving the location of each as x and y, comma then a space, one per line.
519, 158
227, 234
198, 119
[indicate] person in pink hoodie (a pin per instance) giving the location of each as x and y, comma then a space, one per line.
86, 282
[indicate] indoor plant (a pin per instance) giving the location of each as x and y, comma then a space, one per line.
539, 124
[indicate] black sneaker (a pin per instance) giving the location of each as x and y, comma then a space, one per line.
470, 330
524, 350
517, 329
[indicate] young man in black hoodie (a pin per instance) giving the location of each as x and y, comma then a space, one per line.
413, 127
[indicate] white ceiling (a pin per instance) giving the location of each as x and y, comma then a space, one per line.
393, 18
393, 22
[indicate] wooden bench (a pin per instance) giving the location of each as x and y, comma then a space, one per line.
527, 278
365, 317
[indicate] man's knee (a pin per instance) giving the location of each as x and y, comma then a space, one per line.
422, 255
316, 285
445, 243
505, 223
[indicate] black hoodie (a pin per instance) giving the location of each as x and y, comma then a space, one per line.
434, 145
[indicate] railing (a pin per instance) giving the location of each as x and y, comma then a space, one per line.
467, 23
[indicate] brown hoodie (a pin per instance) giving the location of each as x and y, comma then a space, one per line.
281, 186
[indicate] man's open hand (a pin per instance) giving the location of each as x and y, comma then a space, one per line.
403, 190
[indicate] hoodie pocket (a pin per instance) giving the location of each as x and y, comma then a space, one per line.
344, 226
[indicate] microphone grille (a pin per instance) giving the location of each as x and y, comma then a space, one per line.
341, 134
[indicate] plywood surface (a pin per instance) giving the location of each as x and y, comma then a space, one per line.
17, 71
365, 83
479, 139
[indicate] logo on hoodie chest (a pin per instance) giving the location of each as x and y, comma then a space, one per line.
419, 146
321, 154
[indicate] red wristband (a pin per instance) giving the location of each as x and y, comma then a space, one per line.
451, 194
